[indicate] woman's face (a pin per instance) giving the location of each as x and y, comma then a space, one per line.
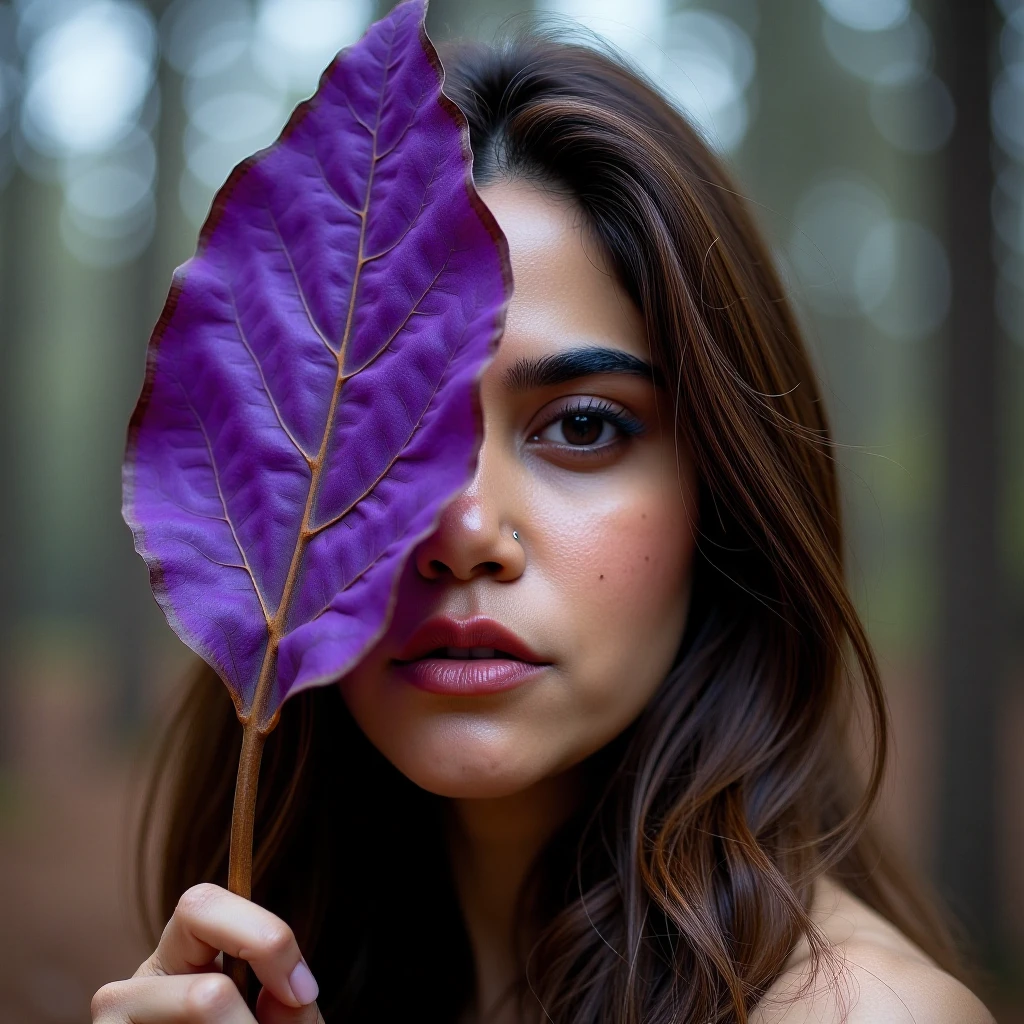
580, 458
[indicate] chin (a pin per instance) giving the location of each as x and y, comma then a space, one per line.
471, 767
457, 786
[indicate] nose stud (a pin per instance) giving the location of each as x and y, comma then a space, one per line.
515, 535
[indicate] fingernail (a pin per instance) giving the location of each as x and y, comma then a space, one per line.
303, 983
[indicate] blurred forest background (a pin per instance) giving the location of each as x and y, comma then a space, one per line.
882, 143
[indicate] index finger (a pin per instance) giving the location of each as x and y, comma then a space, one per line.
209, 919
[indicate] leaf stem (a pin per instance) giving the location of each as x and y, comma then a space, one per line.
254, 728
243, 816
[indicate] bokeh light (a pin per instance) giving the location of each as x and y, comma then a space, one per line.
201, 38
8, 71
243, 69
902, 279
634, 26
1007, 115
916, 116
1008, 207
868, 15
109, 211
709, 66
1011, 39
87, 77
8, 99
889, 46
88, 102
832, 222
296, 39
702, 59
1008, 110
851, 257
889, 57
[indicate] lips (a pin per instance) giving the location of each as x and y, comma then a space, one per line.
478, 637
466, 658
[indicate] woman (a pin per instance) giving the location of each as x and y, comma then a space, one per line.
595, 771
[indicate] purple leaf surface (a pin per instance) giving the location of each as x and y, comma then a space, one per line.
311, 393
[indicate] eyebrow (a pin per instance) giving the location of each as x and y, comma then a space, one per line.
559, 367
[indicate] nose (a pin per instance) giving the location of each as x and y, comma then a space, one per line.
474, 534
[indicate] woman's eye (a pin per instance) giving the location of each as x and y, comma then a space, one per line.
588, 426
580, 428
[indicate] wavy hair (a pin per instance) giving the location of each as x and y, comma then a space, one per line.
683, 883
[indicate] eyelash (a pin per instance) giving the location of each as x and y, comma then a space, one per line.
629, 425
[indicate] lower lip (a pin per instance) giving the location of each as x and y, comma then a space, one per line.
467, 677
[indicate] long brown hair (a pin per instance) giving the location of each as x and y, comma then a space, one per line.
683, 883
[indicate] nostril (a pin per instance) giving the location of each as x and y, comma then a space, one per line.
435, 568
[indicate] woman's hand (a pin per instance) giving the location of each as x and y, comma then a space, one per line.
181, 981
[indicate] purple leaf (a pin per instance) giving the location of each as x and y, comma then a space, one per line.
311, 393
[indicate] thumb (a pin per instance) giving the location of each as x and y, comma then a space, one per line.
272, 1011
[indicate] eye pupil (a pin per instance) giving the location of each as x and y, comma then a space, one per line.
581, 428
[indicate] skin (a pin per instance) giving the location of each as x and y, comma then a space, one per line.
598, 584
884, 979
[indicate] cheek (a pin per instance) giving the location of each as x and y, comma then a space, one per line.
635, 560
622, 570
606, 589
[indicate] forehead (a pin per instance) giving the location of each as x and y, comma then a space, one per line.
565, 294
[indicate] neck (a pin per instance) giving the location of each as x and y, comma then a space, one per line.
493, 842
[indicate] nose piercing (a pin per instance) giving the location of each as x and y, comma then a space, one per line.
515, 535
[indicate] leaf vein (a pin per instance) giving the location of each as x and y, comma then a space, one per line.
412, 223
398, 330
391, 462
327, 181
405, 131
185, 508
298, 285
210, 558
263, 380
355, 117
220, 493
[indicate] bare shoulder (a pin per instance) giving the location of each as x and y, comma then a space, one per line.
877, 976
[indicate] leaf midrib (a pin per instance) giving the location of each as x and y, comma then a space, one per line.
276, 623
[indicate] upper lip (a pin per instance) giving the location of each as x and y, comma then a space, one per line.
479, 631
